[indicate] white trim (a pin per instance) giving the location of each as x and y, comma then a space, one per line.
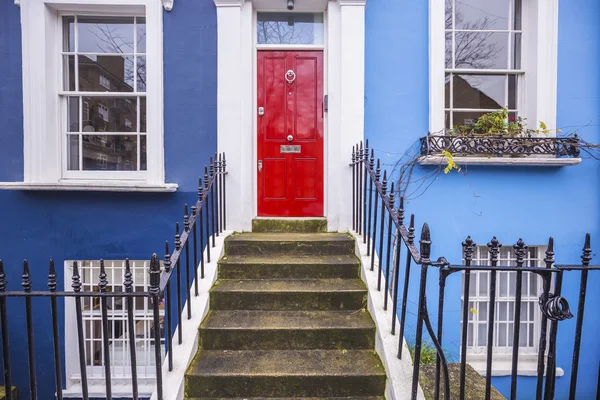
167, 4
18, 3
399, 372
537, 92
507, 161
91, 186
43, 139
236, 99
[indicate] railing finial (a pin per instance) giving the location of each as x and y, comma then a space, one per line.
411, 229
52, 283
384, 184
186, 219
494, 249
401, 211
392, 197
378, 171
167, 261
586, 258
103, 282
26, 282
468, 249
425, 243
128, 281
177, 237
520, 251
3, 281
154, 288
549, 259
76, 278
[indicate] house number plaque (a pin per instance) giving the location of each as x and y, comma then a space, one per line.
289, 149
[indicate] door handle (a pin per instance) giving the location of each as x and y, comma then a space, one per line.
259, 165
290, 138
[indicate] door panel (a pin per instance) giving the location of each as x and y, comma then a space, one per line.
290, 133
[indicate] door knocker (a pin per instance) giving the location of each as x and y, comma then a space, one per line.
290, 76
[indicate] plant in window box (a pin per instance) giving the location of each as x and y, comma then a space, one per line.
499, 134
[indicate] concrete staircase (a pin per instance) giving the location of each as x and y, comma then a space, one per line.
287, 319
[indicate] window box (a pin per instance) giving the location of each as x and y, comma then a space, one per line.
502, 150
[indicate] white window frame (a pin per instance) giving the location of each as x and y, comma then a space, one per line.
120, 367
502, 356
44, 149
537, 86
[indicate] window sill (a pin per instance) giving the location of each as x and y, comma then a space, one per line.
99, 391
502, 366
91, 186
505, 161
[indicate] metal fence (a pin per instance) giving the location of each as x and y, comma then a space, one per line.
207, 220
370, 196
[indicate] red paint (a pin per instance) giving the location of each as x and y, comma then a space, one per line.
290, 185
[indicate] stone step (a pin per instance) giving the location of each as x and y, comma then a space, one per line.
288, 225
286, 398
273, 244
287, 330
281, 294
289, 267
285, 373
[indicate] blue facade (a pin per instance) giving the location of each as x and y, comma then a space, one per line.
532, 203
90, 225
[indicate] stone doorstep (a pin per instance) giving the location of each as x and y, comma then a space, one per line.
289, 225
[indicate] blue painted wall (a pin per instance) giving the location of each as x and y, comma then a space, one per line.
70, 225
511, 203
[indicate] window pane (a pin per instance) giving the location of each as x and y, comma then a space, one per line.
143, 114
69, 34
470, 335
109, 152
141, 34
478, 14
143, 158
110, 114
512, 91
501, 334
288, 28
481, 50
448, 50
73, 114
503, 278
105, 34
510, 333
73, 152
106, 73
523, 334
448, 14
467, 118
479, 91
483, 283
533, 285
516, 46
482, 334
483, 311
517, 14
512, 278
69, 73
141, 73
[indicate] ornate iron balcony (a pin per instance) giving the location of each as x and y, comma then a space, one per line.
500, 146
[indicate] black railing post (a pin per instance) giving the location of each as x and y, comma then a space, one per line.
216, 192
220, 176
195, 241
224, 170
102, 283
353, 190
200, 227
207, 220
494, 249
468, 249
440, 329
392, 200
368, 226
549, 260
188, 283
411, 239
374, 231
154, 291
52, 285
359, 182
425, 243
178, 273
128, 284
520, 250
26, 283
365, 170
551, 365
397, 263
5, 341
586, 258
169, 310
212, 200
384, 201
82, 366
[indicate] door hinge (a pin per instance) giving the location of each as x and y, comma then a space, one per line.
259, 165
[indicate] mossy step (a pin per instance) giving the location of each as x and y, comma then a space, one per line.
474, 383
286, 330
289, 267
281, 294
285, 373
286, 398
273, 244
289, 225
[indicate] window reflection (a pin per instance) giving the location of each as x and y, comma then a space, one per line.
290, 28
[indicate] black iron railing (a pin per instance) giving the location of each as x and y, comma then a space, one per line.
500, 146
207, 220
371, 197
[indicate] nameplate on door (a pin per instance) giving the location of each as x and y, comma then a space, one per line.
289, 149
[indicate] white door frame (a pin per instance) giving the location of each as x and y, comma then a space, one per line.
236, 102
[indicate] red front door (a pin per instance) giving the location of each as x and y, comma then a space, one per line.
290, 133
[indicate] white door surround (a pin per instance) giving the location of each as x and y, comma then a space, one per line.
236, 101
